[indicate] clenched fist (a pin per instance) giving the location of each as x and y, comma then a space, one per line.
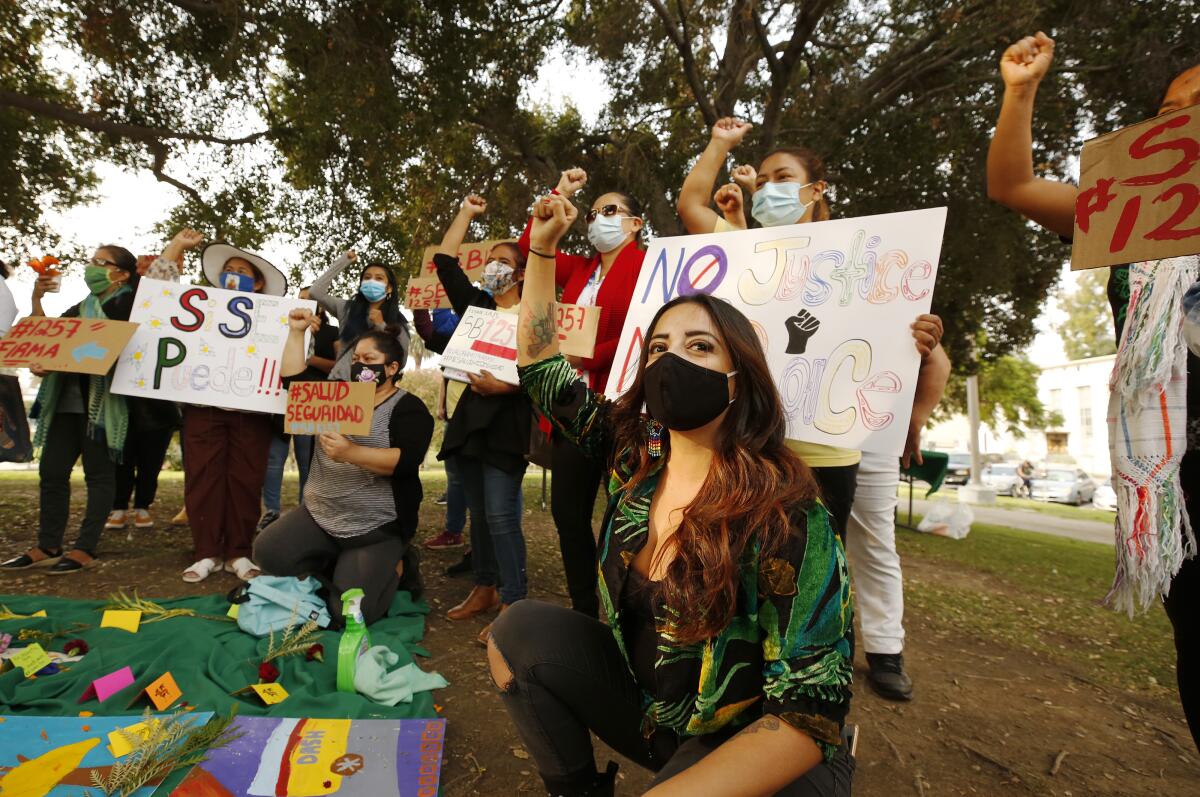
571, 181
474, 205
730, 131
1025, 63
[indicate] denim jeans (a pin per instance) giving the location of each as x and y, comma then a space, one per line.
570, 680
456, 499
273, 486
497, 542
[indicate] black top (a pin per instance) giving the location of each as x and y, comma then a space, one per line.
637, 624
323, 340
493, 429
410, 429
116, 308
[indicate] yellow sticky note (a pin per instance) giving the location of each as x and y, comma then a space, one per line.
31, 659
119, 746
120, 618
164, 691
270, 693
233, 611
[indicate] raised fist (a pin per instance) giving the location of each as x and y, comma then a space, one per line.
745, 176
187, 238
553, 215
571, 181
301, 319
730, 131
729, 199
1026, 62
800, 327
474, 205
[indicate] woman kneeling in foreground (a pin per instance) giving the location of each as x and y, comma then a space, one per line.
725, 665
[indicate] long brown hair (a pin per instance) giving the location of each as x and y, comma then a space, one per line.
752, 491
814, 167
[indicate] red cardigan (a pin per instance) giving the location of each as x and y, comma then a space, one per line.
571, 273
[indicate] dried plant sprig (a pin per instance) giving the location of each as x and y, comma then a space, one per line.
296, 640
8, 614
46, 637
169, 744
154, 612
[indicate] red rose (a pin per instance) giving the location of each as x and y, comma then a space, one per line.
76, 647
317, 652
267, 673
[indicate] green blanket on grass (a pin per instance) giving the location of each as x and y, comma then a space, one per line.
209, 660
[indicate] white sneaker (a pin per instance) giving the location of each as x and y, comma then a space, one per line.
116, 519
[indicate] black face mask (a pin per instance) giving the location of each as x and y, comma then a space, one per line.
371, 374
682, 395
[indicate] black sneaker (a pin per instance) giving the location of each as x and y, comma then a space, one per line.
462, 567
267, 519
887, 676
442, 500
26, 561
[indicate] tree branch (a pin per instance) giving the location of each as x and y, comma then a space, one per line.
690, 70
783, 67
98, 124
159, 151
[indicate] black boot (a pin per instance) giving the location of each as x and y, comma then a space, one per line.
411, 579
887, 676
462, 567
595, 784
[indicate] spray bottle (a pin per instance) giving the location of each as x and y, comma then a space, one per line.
356, 640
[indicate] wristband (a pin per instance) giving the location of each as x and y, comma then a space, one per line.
533, 251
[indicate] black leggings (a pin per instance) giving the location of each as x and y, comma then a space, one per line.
837, 492
1182, 603
570, 678
575, 480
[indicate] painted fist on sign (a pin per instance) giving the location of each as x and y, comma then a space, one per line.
1026, 62
474, 205
800, 327
730, 131
571, 181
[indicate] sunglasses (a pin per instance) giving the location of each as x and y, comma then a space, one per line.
607, 210
96, 261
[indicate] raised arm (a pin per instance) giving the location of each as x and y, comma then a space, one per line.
294, 352
319, 290
169, 264
1010, 177
693, 205
537, 332
474, 205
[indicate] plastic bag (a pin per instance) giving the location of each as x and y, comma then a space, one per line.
947, 519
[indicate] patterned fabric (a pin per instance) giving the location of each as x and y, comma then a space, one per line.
1148, 416
788, 648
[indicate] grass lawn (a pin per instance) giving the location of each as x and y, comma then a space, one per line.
1008, 502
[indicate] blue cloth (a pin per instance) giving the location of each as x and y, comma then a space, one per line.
445, 321
497, 542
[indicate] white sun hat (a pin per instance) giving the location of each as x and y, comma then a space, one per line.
214, 256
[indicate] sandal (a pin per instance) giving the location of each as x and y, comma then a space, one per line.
201, 570
34, 557
243, 568
73, 562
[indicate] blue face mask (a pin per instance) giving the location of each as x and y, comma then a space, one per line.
372, 291
232, 281
776, 204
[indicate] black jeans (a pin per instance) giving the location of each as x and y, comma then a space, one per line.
1181, 605
575, 482
66, 441
145, 450
570, 678
837, 492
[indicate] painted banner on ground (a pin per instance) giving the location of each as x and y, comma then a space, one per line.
330, 406
485, 340
347, 757
1139, 193
210, 346
77, 345
577, 326
832, 303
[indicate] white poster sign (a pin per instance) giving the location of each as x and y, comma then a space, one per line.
210, 346
832, 303
485, 340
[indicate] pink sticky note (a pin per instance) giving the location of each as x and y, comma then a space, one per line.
104, 688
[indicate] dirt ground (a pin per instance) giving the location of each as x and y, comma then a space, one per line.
988, 718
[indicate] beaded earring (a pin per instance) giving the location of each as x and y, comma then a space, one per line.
654, 443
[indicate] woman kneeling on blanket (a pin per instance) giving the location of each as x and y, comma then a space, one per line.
359, 513
725, 662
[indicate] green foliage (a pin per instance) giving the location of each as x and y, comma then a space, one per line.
1087, 330
1008, 397
349, 123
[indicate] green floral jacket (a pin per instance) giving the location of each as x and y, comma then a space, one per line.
787, 650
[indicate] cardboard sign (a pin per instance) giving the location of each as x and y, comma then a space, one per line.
425, 293
1139, 193
341, 407
485, 340
120, 618
75, 345
31, 660
832, 303
209, 346
164, 691
103, 688
471, 257
270, 693
577, 326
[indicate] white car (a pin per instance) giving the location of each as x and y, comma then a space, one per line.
1105, 497
1002, 477
1063, 485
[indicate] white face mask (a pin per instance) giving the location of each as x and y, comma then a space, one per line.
606, 233
776, 204
497, 277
